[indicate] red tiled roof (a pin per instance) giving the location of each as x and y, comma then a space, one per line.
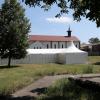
52, 38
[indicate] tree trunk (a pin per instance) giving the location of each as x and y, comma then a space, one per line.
9, 61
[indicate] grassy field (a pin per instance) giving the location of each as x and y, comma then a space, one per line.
12, 79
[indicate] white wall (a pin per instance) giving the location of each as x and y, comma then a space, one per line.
76, 43
54, 44
38, 45
66, 58
62, 45
72, 58
47, 44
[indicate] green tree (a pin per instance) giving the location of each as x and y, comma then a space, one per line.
14, 28
89, 9
94, 40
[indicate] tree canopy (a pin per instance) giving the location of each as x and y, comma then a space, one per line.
14, 28
89, 9
94, 40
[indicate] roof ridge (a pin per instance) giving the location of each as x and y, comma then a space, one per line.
53, 35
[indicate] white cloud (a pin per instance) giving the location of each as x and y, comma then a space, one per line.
60, 20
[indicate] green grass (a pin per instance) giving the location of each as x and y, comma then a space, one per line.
16, 77
94, 60
64, 89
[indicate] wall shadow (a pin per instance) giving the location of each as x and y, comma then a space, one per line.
39, 90
5, 66
97, 63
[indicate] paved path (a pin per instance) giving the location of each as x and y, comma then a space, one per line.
34, 89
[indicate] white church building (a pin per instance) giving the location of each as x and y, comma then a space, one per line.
52, 42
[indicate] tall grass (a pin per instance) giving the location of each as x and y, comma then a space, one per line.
88, 69
64, 89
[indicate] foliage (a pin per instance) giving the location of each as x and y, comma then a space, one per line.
94, 40
14, 28
64, 89
88, 69
89, 9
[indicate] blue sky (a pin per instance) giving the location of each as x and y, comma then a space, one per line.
44, 23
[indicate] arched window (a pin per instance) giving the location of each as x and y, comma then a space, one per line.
76, 45
55, 46
62, 46
47, 46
